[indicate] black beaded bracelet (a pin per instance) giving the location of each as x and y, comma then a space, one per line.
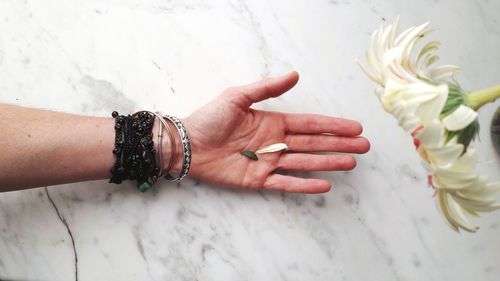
117, 171
134, 150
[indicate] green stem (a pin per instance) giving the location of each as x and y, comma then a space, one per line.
482, 97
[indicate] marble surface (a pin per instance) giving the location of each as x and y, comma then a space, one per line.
379, 222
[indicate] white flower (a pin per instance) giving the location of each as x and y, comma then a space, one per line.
460, 190
272, 148
433, 109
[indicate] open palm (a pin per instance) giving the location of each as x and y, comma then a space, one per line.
220, 130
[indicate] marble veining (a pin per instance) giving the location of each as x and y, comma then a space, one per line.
379, 222
63, 221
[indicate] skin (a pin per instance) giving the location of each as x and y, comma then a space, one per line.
42, 148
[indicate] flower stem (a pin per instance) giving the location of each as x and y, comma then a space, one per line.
479, 98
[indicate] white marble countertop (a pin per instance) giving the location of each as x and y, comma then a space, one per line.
379, 222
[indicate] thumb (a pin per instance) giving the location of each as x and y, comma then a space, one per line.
267, 88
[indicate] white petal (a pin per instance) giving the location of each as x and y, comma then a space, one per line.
386, 37
430, 59
403, 35
444, 155
460, 118
378, 45
458, 215
411, 33
443, 72
457, 180
453, 213
371, 75
479, 188
391, 55
424, 89
429, 168
460, 176
410, 124
431, 134
371, 58
443, 206
448, 182
393, 28
451, 217
475, 203
272, 148
466, 162
427, 48
379, 90
430, 110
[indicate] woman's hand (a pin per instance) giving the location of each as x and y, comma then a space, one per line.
220, 130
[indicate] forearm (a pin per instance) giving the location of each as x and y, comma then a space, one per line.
40, 147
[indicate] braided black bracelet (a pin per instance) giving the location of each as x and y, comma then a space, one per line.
117, 171
134, 150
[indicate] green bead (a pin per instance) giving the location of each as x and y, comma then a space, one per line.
145, 186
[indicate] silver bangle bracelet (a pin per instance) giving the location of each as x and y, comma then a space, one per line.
163, 123
186, 147
159, 146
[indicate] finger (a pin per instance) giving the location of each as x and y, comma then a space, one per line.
318, 124
313, 162
327, 143
296, 185
267, 88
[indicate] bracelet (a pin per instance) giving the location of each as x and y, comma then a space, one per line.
159, 154
173, 148
117, 171
186, 146
136, 158
134, 149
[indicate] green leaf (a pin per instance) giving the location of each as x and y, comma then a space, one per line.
465, 136
450, 135
468, 134
454, 100
250, 154
457, 97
